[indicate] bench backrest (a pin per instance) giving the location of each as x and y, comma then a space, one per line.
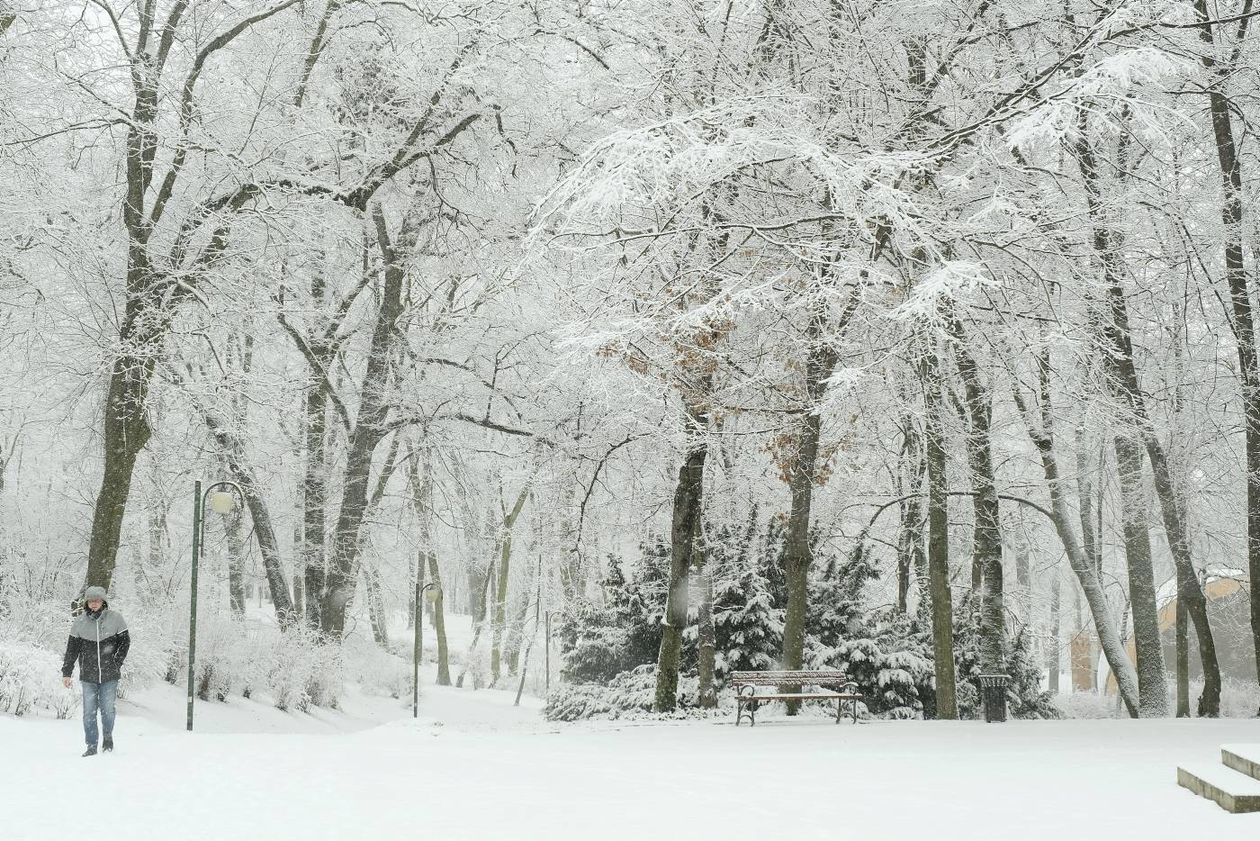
784, 678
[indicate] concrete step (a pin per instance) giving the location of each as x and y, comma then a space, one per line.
1244, 759
1232, 790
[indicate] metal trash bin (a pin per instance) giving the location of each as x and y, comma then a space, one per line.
993, 696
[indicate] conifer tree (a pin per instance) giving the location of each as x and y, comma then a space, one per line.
749, 628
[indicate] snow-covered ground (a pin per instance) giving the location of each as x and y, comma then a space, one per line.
475, 767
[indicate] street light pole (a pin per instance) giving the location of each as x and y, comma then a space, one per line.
192, 604
417, 647
198, 551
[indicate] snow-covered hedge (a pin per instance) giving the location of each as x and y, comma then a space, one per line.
30, 679
303, 671
252, 658
890, 680
376, 671
295, 669
149, 657
628, 695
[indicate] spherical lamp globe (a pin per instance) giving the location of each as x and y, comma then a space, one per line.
222, 502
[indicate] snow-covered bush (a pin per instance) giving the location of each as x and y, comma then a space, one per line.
600, 641
377, 672
836, 594
150, 654
890, 680
227, 657
885, 653
1025, 697
628, 695
302, 670
32, 638
592, 644
41, 622
294, 669
475, 665
1089, 704
1238, 699
30, 679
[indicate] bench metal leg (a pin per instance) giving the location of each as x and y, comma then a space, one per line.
745, 707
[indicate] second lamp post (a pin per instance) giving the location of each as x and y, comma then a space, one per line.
221, 502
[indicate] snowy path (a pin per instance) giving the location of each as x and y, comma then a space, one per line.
491, 771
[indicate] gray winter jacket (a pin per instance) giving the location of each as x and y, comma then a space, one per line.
99, 642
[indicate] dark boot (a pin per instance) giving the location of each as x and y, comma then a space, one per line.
91, 751
108, 744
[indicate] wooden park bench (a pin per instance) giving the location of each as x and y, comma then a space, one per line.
751, 691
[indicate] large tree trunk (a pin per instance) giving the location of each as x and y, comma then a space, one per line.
515, 640
707, 640
439, 624
942, 604
264, 531
422, 502
1122, 381
126, 431
343, 565
377, 616
688, 494
319, 346
478, 628
1152, 678
1240, 292
141, 333
798, 555
572, 580
299, 607
477, 580
1183, 656
412, 571
236, 561
369, 428
987, 539
1085, 568
911, 561
1053, 660
1090, 507
501, 595
1189, 592
153, 562
314, 561
239, 354
152, 296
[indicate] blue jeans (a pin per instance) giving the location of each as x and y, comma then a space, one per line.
98, 696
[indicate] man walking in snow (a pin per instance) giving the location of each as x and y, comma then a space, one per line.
99, 641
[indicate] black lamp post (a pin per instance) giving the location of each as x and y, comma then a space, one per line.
221, 502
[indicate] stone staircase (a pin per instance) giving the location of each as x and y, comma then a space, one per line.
1234, 784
